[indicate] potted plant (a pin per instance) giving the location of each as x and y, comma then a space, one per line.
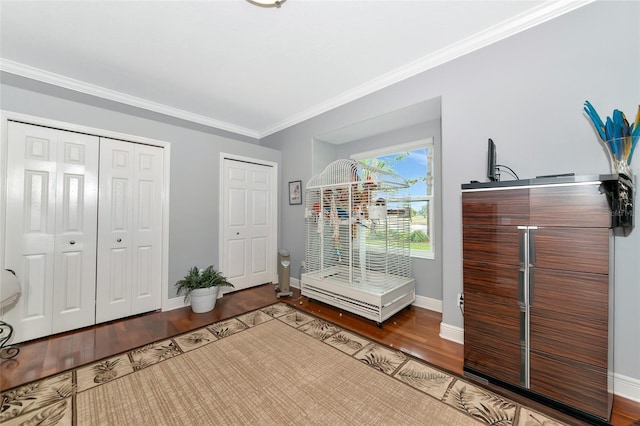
201, 286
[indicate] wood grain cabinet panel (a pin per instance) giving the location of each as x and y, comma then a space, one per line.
574, 249
574, 205
581, 386
495, 244
503, 207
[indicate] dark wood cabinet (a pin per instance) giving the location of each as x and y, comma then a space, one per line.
538, 291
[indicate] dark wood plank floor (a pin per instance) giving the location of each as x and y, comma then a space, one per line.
414, 331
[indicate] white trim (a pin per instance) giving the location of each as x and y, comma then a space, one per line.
38, 74
626, 387
274, 207
428, 303
392, 149
6, 116
546, 185
548, 10
536, 16
451, 332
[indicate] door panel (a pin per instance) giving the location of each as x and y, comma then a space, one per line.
248, 256
51, 228
115, 239
130, 229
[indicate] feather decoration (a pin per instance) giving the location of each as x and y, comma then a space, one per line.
595, 118
616, 133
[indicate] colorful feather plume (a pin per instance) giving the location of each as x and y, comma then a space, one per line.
620, 137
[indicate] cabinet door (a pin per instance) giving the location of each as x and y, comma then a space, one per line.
572, 205
51, 228
493, 320
130, 230
505, 207
569, 311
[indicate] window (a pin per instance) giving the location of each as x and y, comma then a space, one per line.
413, 161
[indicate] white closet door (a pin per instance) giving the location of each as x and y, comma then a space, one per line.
248, 255
51, 228
129, 229
147, 229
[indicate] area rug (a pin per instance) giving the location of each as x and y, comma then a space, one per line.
273, 366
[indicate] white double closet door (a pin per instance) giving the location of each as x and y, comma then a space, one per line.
79, 215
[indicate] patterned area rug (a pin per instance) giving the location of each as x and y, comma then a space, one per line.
273, 366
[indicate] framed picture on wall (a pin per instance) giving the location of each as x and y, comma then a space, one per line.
295, 192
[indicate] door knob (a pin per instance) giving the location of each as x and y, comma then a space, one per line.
119, 240
72, 242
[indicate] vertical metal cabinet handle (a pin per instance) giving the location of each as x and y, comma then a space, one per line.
521, 273
532, 246
531, 281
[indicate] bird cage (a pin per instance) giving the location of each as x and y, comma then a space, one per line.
357, 240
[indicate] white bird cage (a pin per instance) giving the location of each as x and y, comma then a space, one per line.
357, 242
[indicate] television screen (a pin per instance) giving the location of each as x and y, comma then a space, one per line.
491, 161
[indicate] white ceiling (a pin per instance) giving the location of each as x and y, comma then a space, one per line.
246, 69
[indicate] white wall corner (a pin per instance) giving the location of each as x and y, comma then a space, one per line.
626, 387
451, 332
428, 303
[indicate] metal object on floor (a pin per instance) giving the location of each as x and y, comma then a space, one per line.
284, 270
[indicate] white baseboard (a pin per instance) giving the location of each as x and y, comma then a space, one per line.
428, 303
626, 387
451, 332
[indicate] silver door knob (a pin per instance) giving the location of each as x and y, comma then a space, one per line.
72, 242
119, 240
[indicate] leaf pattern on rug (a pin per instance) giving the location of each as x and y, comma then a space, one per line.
277, 310
195, 338
320, 329
153, 353
254, 318
425, 379
35, 395
105, 370
345, 340
379, 362
296, 319
48, 417
484, 406
227, 328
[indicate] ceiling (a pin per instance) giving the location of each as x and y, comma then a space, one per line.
246, 69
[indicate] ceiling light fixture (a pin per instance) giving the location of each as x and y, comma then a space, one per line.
267, 3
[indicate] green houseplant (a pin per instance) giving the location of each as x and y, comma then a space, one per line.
201, 286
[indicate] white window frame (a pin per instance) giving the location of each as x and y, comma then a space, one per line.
429, 198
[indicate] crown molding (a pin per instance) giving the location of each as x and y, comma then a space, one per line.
38, 74
543, 13
536, 16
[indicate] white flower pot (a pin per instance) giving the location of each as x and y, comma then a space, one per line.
203, 299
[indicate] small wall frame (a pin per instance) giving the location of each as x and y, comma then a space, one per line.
295, 192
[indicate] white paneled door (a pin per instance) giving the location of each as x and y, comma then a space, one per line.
129, 229
51, 221
248, 223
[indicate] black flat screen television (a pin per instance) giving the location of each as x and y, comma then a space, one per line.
492, 171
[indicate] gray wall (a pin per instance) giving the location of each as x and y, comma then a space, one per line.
527, 93
195, 156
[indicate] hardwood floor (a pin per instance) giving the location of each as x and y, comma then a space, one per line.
414, 331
